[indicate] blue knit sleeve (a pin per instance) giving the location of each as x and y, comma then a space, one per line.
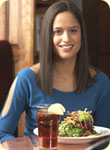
102, 114
9, 122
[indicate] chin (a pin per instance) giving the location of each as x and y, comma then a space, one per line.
66, 57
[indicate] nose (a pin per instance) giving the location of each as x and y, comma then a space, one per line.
66, 36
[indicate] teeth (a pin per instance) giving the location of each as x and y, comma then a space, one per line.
66, 46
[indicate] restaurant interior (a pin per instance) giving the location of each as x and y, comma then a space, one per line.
19, 37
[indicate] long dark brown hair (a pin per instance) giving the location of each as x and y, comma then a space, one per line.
45, 76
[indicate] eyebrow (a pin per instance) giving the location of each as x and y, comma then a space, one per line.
70, 27
75, 27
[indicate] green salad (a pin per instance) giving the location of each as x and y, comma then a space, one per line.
77, 124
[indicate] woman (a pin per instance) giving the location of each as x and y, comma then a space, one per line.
63, 74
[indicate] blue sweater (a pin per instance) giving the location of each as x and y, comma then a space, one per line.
27, 95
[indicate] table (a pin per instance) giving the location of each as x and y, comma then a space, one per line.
26, 143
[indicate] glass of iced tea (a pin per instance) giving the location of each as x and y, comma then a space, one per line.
47, 127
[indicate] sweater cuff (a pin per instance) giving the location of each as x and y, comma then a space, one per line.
6, 138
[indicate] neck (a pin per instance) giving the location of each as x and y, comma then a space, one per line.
64, 68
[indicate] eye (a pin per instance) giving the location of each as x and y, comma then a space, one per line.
73, 30
57, 32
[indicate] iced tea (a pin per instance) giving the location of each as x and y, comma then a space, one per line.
48, 129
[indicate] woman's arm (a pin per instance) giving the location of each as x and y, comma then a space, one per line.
102, 115
9, 99
14, 106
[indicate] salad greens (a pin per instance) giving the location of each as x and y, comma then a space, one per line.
77, 124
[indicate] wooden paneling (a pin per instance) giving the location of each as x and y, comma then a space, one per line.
104, 33
97, 17
3, 21
91, 14
17, 26
104, 37
14, 21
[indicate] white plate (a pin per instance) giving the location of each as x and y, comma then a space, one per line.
35, 131
82, 140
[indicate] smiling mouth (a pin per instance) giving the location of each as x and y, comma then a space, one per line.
66, 47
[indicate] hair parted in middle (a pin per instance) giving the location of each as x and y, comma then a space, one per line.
45, 75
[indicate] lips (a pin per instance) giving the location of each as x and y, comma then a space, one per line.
66, 47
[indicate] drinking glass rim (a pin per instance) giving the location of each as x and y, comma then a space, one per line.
43, 105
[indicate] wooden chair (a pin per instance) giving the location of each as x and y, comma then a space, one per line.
6, 69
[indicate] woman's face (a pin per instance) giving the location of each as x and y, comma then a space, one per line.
66, 35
